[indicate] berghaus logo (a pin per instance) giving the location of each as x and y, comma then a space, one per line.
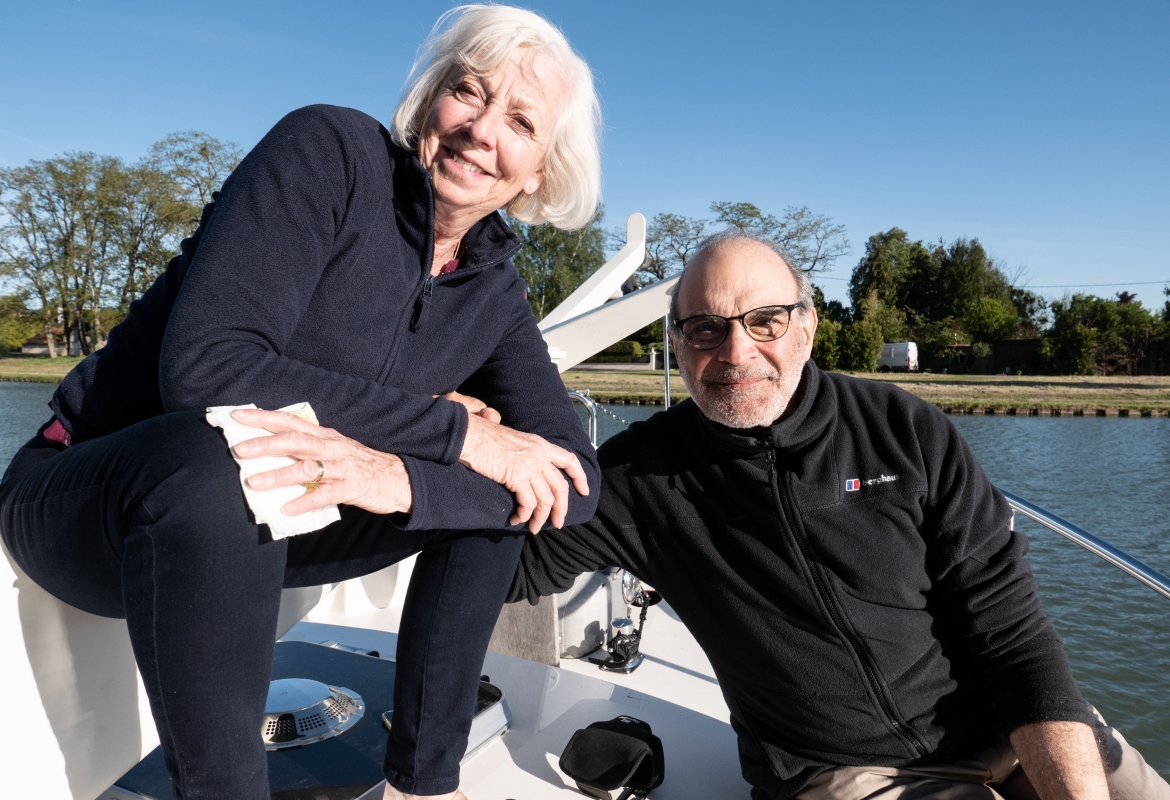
855, 484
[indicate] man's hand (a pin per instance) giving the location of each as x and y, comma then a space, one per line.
355, 475
527, 466
1061, 760
393, 794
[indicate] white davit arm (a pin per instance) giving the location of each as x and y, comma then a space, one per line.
607, 281
573, 341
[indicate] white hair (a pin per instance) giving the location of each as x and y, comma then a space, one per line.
477, 40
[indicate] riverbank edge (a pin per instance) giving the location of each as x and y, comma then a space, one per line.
30, 378
955, 407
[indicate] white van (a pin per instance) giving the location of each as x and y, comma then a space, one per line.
898, 357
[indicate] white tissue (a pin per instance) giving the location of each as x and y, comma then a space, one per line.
266, 505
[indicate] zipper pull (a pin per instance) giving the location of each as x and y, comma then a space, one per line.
769, 454
425, 295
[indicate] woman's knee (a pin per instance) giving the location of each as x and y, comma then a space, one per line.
180, 444
177, 465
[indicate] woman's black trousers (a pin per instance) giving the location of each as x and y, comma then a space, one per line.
150, 524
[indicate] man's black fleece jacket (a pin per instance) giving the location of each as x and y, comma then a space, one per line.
309, 279
850, 572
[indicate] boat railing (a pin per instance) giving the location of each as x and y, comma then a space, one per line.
1094, 544
591, 406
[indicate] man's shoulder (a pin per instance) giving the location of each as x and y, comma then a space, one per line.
650, 441
871, 399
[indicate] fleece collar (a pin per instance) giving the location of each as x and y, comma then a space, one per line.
490, 241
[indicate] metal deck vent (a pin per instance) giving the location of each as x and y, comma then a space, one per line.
301, 712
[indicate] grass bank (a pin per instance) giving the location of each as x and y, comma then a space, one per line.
1042, 395
626, 387
958, 394
35, 369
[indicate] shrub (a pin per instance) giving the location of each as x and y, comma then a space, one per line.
619, 353
861, 346
827, 344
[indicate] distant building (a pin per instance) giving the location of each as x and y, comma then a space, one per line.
39, 345
1017, 355
36, 346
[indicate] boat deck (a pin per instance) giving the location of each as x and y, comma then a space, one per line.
674, 690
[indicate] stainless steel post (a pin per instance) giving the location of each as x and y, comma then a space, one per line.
591, 407
666, 354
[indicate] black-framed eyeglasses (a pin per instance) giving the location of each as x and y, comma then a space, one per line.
764, 324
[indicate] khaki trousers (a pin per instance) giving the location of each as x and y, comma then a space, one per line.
993, 774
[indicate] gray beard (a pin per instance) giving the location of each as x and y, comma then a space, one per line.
757, 406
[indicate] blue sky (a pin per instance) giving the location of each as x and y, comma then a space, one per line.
1043, 129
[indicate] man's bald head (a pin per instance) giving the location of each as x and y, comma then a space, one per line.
737, 237
744, 382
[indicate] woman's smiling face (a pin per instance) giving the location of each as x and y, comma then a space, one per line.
485, 138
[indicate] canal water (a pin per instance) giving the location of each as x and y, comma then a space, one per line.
1106, 475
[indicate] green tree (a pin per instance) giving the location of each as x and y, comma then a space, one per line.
82, 235
153, 215
889, 320
936, 339
891, 262
17, 323
861, 345
27, 249
671, 240
827, 344
1032, 310
200, 163
59, 239
968, 275
814, 241
989, 320
1093, 335
554, 262
830, 309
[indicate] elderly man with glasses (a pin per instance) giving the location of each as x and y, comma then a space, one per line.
843, 561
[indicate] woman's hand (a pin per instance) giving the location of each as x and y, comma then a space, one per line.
474, 406
354, 475
527, 466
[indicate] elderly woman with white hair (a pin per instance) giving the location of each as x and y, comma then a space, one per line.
367, 272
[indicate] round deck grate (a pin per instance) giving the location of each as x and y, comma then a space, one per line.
301, 712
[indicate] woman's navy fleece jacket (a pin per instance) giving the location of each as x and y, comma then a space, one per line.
309, 279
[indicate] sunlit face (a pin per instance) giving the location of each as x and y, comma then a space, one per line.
743, 383
485, 138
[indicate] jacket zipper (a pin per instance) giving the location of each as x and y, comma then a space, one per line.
835, 615
420, 303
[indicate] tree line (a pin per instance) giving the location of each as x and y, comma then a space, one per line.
553, 263
83, 235
946, 295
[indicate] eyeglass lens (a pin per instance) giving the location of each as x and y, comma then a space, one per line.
762, 324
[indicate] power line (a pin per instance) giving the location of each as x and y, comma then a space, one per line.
1092, 285
1044, 286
